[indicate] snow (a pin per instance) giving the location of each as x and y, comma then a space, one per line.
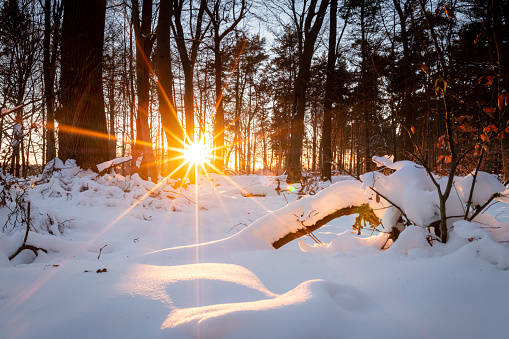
110, 163
127, 258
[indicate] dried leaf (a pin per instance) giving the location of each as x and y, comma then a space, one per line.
449, 12
502, 100
448, 159
440, 158
489, 79
441, 140
413, 129
424, 69
477, 38
490, 111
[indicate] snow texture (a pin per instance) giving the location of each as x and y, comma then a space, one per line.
127, 258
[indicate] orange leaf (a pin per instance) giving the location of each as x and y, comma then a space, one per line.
490, 111
477, 38
500, 136
440, 158
449, 12
484, 138
490, 80
441, 140
424, 69
413, 129
502, 101
448, 159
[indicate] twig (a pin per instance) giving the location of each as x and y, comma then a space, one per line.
240, 223
479, 210
100, 250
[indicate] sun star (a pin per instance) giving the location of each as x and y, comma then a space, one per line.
197, 153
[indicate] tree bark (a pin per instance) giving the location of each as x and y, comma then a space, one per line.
307, 37
49, 65
83, 134
144, 43
171, 125
329, 87
503, 81
218, 36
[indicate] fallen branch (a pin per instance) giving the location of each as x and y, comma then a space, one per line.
365, 212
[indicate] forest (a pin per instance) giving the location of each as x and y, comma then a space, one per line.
302, 87
254, 169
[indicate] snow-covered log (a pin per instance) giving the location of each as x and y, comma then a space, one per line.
310, 213
365, 213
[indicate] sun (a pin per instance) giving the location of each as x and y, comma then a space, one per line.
197, 153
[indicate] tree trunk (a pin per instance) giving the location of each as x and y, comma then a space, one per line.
83, 134
308, 34
329, 87
219, 117
171, 125
498, 31
49, 61
144, 42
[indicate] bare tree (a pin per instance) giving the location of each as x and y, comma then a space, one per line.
144, 43
224, 17
307, 20
52, 19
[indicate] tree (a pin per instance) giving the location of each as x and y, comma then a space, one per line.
224, 17
52, 18
188, 59
144, 43
82, 120
19, 50
327, 109
501, 33
307, 22
169, 119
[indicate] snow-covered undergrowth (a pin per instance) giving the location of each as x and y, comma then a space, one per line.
127, 258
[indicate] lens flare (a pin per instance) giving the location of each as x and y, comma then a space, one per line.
197, 153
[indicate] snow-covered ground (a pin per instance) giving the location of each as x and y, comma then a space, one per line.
119, 268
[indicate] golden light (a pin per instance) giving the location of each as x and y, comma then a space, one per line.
197, 153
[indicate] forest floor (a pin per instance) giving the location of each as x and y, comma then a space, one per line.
117, 269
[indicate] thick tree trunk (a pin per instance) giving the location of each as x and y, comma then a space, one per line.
49, 78
503, 82
83, 135
171, 125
